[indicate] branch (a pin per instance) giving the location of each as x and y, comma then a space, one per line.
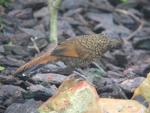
53, 8
135, 18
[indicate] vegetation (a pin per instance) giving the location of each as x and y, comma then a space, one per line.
4, 2
124, 1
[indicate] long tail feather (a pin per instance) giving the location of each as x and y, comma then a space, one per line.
43, 59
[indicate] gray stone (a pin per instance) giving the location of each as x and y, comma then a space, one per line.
29, 106
10, 94
41, 13
72, 4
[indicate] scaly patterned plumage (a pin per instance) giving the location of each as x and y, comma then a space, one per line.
77, 51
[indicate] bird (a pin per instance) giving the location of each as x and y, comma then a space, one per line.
75, 52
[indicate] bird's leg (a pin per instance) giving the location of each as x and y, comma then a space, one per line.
100, 68
81, 74
96, 65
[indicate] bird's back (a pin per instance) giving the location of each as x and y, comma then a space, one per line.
82, 50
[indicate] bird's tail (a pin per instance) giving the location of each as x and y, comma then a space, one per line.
43, 59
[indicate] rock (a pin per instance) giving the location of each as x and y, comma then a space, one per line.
17, 50
114, 74
71, 4
142, 43
50, 68
121, 59
28, 23
2, 10
137, 70
21, 39
41, 13
61, 64
85, 30
146, 12
29, 106
65, 28
141, 90
39, 92
2, 50
58, 67
125, 20
4, 39
45, 21
94, 74
72, 12
32, 32
40, 27
137, 58
130, 84
10, 94
8, 80
10, 21
105, 23
117, 31
34, 4
74, 91
49, 77
108, 105
105, 19
73, 96
9, 61
2, 109
72, 21
21, 13
109, 87
103, 5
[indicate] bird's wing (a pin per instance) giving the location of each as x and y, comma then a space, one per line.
66, 49
72, 48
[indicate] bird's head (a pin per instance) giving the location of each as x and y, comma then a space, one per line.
116, 43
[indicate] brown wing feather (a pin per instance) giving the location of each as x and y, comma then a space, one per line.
66, 49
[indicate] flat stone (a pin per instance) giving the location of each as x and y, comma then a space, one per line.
130, 84
34, 4
39, 92
21, 13
2, 50
49, 77
10, 94
71, 4
42, 12
29, 106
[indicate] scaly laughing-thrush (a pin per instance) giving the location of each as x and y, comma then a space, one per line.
75, 52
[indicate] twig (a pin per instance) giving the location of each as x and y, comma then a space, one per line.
136, 31
35, 45
135, 18
53, 8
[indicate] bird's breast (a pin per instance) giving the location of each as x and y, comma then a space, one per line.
76, 62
